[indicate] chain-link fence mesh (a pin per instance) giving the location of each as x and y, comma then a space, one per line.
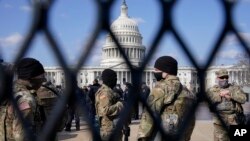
41, 11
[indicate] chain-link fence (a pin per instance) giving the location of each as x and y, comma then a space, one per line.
40, 25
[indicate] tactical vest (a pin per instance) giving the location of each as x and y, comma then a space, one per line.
226, 108
106, 122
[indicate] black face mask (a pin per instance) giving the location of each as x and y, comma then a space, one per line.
110, 83
223, 83
37, 83
158, 76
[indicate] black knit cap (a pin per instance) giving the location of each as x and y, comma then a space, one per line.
109, 77
28, 68
167, 64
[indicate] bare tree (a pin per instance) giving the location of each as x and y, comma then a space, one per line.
243, 60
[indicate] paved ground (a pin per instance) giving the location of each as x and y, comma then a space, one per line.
203, 132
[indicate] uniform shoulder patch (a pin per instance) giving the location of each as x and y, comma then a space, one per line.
24, 105
102, 96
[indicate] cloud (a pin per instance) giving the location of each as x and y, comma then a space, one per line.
243, 25
95, 59
11, 40
78, 46
96, 54
229, 54
139, 20
26, 8
248, 1
63, 15
7, 5
232, 40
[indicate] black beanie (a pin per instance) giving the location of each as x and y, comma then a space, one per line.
167, 64
28, 68
109, 78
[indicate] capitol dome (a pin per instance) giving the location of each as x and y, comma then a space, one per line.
127, 32
124, 23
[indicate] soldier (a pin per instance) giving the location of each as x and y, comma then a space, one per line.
91, 93
107, 105
75, 110
170, 100
145, 91
30, 73
47, 95
228, 99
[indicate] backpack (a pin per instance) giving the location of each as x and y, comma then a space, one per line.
171, 121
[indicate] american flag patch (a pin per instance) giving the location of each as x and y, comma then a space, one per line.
102, 96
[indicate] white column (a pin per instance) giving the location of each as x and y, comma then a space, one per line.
238, 77
133, 52
122, 75
140, 53
112, 52
130, 52
107, 53
119, 76
104, 53
245, 76
127, 76
232, 76
136, 53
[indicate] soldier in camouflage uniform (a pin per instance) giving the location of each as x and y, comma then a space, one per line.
169, 99
47, 95
30, 73
227, 99
107, 105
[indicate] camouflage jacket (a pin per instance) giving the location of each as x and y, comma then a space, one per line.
165, 95
228, 109
107, 107
46, 97
10, 124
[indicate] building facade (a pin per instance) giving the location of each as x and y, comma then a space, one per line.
128, 35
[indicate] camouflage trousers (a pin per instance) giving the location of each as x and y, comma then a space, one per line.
106, 134
220, 134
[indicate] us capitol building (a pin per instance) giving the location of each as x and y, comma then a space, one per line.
127, 32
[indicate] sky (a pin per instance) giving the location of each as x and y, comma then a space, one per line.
72, 22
